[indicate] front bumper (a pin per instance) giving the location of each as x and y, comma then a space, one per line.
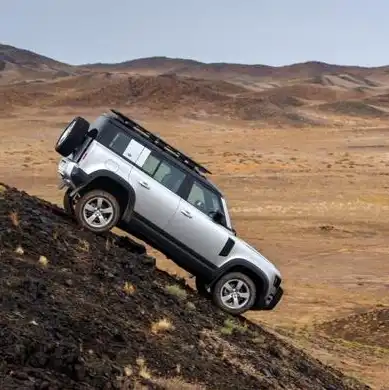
271, 301
276, 299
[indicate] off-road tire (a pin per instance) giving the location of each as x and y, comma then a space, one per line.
72, 136
200, 287
108, 199
218, 287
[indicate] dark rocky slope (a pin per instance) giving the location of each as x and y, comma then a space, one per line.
69, 320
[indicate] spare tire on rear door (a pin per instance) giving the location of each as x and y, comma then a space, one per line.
72, 136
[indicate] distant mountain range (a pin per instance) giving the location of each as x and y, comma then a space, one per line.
11, 56
306, 93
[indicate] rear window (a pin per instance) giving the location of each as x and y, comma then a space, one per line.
121, 143
149, 161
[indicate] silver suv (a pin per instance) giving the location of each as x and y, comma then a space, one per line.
117, 173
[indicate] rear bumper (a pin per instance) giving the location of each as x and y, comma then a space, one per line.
71, 175
78, 177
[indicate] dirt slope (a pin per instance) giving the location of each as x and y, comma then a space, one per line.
354, 108
41, 93
165, 93
161, 91
67, 321
371, 328
311, 92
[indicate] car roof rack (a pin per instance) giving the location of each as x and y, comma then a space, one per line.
161, 143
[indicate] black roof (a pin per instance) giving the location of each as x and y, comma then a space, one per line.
160, 143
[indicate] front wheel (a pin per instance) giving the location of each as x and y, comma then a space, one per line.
97, 211
234, 293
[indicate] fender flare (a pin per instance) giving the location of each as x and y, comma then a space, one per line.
104, 173
230, 265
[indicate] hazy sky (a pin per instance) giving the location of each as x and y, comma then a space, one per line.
274, 32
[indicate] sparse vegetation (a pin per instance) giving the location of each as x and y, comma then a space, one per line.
259, 339
231, 325
108, 244
190, 306
161, 325
143, 370
43, 261
128, 370
14, 218
83, 246
19, 250
176, 383
176, 290
226, 330
129, 288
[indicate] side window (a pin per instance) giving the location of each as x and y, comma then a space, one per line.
204, 199
151, 164
121, 143
162, 171
169, 176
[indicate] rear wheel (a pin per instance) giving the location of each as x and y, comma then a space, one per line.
97, 211
234, 293
72, 136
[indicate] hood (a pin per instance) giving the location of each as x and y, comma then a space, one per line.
255, 251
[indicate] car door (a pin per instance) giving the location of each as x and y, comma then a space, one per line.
156, 182
194, 228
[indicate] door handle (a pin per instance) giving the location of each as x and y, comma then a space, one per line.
144, 184
186, 213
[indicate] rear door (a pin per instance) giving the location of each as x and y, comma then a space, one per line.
114, 151
157, 183
194, 228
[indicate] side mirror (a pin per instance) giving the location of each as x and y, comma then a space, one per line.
217, 216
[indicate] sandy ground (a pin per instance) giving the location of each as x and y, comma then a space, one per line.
314, 201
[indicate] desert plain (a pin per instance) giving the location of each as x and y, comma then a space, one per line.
301, 153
